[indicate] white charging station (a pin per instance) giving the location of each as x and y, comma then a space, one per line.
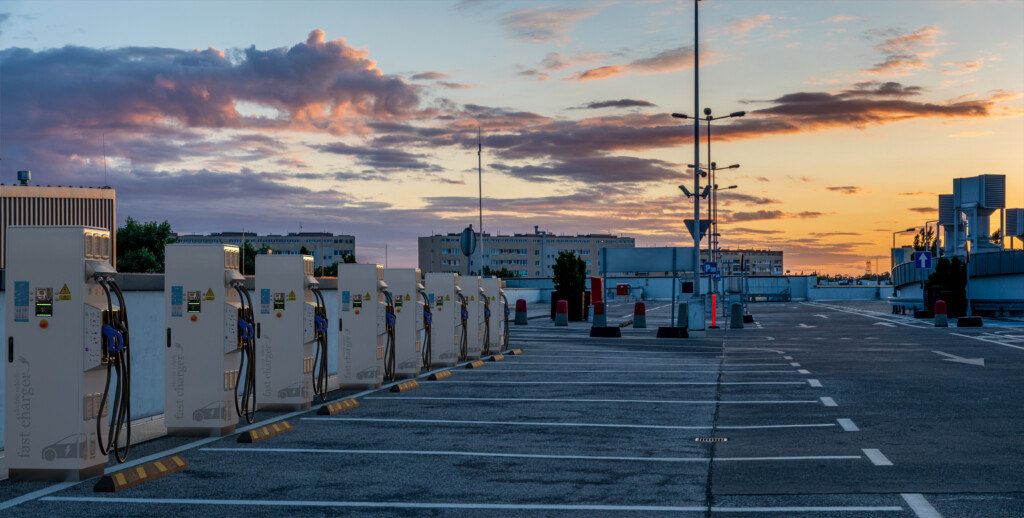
201, 358
362, 329
472, 289
60, 341
446, 326
405, 285
286, 330
496, 309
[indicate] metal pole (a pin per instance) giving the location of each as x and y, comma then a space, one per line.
480, 178
711, 199
696, 156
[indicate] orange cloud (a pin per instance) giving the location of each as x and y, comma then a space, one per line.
600, 73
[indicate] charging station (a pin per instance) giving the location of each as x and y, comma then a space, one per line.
363, 325
442, 291
405, 285
493, 314
289, 329
67, 388
472, 290
209, 353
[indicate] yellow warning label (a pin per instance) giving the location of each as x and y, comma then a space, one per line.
367, 296
492, 297
209, 294
407, 297
291, 296
446, 297
472, 297
65, 293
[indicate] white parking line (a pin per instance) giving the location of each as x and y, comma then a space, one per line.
920, 505
794, 364
579, 425
499, 370
876, 457
517, 382
803, 371
585, 401
848, 425
484, 506
989, 341
827, 401
660, 364
533, 455
787, 357
814, 383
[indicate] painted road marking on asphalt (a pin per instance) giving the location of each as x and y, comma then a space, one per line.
454, 505
534, 455
582, 400
794, 364
920, 505
864, 314
848, 425
518, 382
644, 371
660, 364
989, 341
787, 357
827, 401
562, 424
814, 383
803, 371
876, 457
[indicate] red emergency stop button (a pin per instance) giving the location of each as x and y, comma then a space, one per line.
43, 324
278, 314
193, 318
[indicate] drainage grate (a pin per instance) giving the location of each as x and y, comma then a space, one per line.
711, 439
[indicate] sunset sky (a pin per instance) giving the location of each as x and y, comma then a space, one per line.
361, 117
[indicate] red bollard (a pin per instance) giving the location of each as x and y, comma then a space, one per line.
596, 290
521, 319
562, 313
941, 319
714, 311
600, 320
639, 315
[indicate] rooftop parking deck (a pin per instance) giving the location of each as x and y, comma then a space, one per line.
825, 409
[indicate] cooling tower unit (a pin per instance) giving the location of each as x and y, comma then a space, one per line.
978, 198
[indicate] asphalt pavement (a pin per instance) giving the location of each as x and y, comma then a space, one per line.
818, 409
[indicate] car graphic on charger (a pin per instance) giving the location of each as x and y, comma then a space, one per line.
70, 447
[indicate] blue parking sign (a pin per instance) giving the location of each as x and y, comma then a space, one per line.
923, 259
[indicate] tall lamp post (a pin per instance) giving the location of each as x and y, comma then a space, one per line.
892, 257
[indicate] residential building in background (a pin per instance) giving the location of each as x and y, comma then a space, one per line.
36, 205
325, 247
526, 255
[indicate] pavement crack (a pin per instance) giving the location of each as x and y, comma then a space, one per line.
709, 496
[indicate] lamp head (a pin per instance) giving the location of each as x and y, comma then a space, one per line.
680, 115
707, 111
737, 114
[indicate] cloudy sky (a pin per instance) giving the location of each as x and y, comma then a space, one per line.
361, 117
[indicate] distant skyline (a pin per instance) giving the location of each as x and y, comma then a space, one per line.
361, 117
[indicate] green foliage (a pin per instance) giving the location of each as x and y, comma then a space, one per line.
304, 250
925, 241
140, 246
570, 274
327, 271
948, 275
503, 272
249, 253
348, 259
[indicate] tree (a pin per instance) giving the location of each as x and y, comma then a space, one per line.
504, 273
304, 250
570, 273
249, 253
348, 258
140, 246
925, 241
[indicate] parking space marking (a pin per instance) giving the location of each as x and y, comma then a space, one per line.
456, 505
848, 425
659, 364
989, 341
787, 357
794, 364
814, 383
562, 424
827, 401
920, 505
803, 371
534, 455
638, 383
876, 457
498, 370
582, 400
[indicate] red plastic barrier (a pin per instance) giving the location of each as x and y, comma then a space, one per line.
562, 307
714, 310
621, 290
521, 306
596, 290
640, 309
599, 308
940, 307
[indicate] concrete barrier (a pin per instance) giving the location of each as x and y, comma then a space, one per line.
562, 313
737, 316
600, 319
521, 318
639, 315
